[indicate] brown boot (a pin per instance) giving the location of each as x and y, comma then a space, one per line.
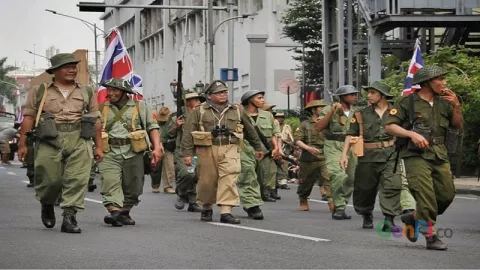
303, 205
331, 205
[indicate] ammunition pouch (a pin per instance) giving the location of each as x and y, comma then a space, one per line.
105, 145
202, 138
170, 144
87, 126
47, 128
138, 141
357, 145
309, 157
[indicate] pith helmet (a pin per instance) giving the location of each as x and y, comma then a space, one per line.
250, 94
268, 107
380, 87
120, 84
316, 103
345, 90
194, 95
280, 114
215, 87
61, 59
163, 114
427, 73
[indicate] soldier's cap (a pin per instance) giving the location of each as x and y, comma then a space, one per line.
249, 94
119, 84
60, 60
215, 87
191, 95
279, 114
163, 114
428, 73
345, 90
316, 103
380, 87
268, 107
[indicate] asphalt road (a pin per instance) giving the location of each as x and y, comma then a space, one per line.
168, 238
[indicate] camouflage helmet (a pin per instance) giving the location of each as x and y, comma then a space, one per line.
316, 103
345, 90
380, 87
119, 84
428, 73
250, 94
215, 87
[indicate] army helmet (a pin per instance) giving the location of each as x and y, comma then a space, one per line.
428, 73
249, 94
119, 84
345, 90
316, 103
215, 87
380, 87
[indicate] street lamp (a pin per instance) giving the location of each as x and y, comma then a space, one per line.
88, 24
199, 87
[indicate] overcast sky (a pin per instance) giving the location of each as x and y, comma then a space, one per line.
24, 23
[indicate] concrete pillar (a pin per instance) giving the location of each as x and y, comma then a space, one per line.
258, 61
374, 56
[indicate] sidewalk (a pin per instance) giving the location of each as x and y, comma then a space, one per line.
467, 185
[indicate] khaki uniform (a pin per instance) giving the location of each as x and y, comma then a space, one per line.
286, 137
428, 171
156, 175
374, 171
219, 164
65, 170
122, 169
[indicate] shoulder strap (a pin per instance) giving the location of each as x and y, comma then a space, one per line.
105, 110
137, 112
411, 109
43, 90
200, 123
134, 117
359, 117
87, 93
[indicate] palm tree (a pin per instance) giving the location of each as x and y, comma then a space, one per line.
7, 87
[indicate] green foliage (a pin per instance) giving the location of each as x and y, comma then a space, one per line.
464, 79
294, 122
7, 87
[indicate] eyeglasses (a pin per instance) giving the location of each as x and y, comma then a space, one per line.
220, 93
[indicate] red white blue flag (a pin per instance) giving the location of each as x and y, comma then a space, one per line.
117, 64
415, 64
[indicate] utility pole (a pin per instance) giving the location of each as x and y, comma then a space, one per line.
96, 56
210, 37
230, 7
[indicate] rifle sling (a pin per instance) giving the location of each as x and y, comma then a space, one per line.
118, 116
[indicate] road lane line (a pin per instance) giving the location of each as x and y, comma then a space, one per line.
313, 200
315, 239
92, 200
465, 198
11, 173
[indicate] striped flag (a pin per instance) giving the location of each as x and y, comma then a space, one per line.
415, 64
117, 64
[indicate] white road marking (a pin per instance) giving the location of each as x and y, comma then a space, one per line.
315, 239
313, 200
26, 182
11, 173
92, 200
465, 198
2, 168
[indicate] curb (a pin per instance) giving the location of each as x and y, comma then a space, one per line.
464, 189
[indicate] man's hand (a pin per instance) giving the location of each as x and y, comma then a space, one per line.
188, 161
343, 162
450, 96
180, 121
22, 152
156, 157
259, 155
276, 154
336, 106
419, 140
162, 150
98, 154
314, 151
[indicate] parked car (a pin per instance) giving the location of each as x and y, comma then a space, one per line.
7, 120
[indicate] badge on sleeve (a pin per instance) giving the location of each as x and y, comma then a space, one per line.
393, 111
353, 120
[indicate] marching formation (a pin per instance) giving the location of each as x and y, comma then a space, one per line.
239, 155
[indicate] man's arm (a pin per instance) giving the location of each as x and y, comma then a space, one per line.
457, 118
188, 148
250, 133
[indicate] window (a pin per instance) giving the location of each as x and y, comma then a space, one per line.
200, 24
151, 26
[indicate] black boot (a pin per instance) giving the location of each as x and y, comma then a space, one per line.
229, 218
268, 199
48, 215
92, 187
274, 194
59, 200
180, 203
113, 219
31, 184
340, 214
367, 221
435, 243
70, 225
194, 207
126, 219
389, 225
411, 232
254, 212
206, 215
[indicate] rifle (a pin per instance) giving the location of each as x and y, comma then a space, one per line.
179, 95
267, 146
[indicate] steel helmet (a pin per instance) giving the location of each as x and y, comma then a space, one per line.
249, 94
427, 73
316, 103
345, 90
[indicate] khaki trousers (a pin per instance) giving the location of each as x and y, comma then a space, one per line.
168, 170
219, 169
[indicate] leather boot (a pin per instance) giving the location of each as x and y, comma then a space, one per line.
367, 221
229, 218
274, 194
340, 214
194, 207
266, 197
254, 212
180, 203
389, 225
206, 215
70, 225
126, 219
434, 243
31, 180
411, 232
48, 215
303, 205
331, 205
114, 219
91, 188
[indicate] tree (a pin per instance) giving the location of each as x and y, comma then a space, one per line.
7, 87
463, 78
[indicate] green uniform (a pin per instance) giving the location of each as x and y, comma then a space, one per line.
122, 170
30, 160
341, 181
374, 171
156, 175
248, 186
185, 182
428, 171
312, 168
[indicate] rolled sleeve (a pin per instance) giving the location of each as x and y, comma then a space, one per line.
396, 115
31, 107
93, 104
324, 112
151, 124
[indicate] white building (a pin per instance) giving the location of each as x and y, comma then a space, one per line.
157, 38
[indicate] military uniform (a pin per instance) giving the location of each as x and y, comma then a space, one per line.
427, 170
287, 139
156, 175
168, 167
62, 165
375, 169
313, 168
214, 135
30, 161
122, 169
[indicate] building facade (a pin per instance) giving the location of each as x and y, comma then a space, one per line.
157, 38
